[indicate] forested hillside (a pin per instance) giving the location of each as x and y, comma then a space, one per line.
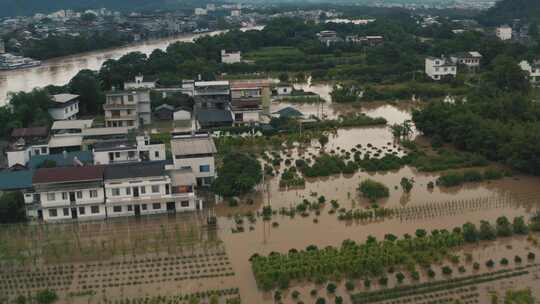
507, 10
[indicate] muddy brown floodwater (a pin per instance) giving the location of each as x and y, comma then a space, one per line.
430, 209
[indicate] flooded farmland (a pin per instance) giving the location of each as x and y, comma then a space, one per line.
105, 262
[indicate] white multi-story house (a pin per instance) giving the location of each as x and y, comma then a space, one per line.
25, 143
141, 82
231, 57
116, 151
147, 188
129, 109
504, 32
469, 59
195, 152
64, 107
532, 70
66, 193
439, 68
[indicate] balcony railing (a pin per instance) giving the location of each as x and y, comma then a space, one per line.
119, 106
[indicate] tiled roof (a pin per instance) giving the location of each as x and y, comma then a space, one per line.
135, 170
30, 132
213, 115
16, 180
63, 98
115, 145
193, 145
68, 174
61, 159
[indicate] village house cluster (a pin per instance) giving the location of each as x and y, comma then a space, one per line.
85, 169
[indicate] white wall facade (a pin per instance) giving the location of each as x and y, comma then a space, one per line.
67, 112
198, 165
533, 72
126, 196
437, 68
88, 203
118, 157
22, 156
229, 58
504, 33
284, 90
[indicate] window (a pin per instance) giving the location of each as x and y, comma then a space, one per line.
115, 192
155, 188
64, 196
66, 110
130, 123
51, 196
156, 206
94, 209
143, 190
130, 97
184, 203
144, 206
93, 193
156, 154
128, 191
82, 210
43, 150
117, 154
131, 154
53, 213
130, 207
79, 194
204, 168
117, 209
65, 211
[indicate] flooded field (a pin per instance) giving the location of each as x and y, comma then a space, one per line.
181, 255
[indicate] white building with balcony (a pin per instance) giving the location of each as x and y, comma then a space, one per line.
439, 68
470, 60
195, 152
69, 193
115, 151
129, 109
147, 188
64, 107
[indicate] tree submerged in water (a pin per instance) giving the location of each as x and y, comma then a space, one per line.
373, 190
238, 175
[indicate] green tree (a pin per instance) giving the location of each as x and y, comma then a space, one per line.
470, 233
506, 75
46, 296
487, 232
237, 175
519, 226
373, 190
12, 207
31, 108
407, 184
87, 85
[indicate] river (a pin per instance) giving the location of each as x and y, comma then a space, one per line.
59, 71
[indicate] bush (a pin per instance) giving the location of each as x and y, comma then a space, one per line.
490, 264
383, 281
320, 301
339, 300
447, 270
504, 261
531, 256
400, 277
373, 190
46, 296
476, 266
517, 259
331, 288
295, 294
349, 285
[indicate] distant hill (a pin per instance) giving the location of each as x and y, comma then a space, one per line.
507, 10
30, 7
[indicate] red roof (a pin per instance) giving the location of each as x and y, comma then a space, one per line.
30, 132
68, 174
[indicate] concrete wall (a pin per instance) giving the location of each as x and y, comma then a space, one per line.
65, 113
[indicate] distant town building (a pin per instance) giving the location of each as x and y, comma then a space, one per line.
504, 32
439, 68
231, 57
141, 82
468, 59
200, 12
2, 47
365, 40
210, 7
282, 89
213, 104
532, 70
129, 109
64, 107
329, 37
236, 13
